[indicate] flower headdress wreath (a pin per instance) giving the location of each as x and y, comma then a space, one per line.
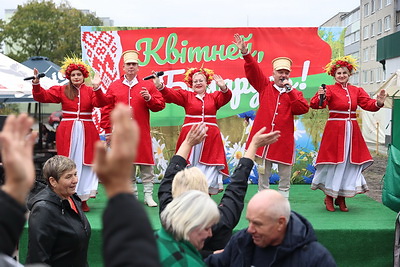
346, 61
74, 63
209, 74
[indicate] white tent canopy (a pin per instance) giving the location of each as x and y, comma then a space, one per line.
392, 88
376, 126
13, 88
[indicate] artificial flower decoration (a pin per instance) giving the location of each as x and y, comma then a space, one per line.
190, 72
341, 62
74, 63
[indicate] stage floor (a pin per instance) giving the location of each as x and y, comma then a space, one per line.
364, 236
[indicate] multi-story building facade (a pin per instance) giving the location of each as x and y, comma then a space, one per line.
372, 20
378, 19
351, 22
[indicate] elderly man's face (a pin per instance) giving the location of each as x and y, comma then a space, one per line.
280, 75
131, 68
263, 229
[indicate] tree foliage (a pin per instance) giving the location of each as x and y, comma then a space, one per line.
40, 28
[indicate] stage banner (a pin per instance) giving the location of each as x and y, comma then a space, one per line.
174, 50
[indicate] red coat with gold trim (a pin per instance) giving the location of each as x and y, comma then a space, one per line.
118, 92
343, 104
202, 110
276, 112
78, 109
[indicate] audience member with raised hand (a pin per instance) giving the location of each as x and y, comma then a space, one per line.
231, 204
186, 224
128, 239
16, 144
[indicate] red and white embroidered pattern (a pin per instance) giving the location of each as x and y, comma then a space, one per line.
102, 51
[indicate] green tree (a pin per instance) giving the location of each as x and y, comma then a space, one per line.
336, 43
40, 28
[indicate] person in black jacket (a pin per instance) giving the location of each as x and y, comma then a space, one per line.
276, 236
16, 144
59, 231
232, 202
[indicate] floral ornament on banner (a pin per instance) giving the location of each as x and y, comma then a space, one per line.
209, 74
341, 62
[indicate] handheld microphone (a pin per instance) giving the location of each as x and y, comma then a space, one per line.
322, 96
158, 74
287, 86
40, 75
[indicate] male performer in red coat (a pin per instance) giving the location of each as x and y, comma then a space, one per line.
279, 102
141, 96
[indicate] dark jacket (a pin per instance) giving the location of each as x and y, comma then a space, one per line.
128, 239
58, 235
299, 248
230, 207
12, 221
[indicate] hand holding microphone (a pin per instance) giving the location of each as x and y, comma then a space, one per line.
287, 86
40, 75
154, 75
322, 96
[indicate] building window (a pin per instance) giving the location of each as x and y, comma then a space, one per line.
365, 32
378, 75
354, 78
373, 53
364, 77
372, 6
366, 10
386, 23
357, 36
379, 4
397, 17
388, 2
372, 29
379, 29
365, 54
372, 76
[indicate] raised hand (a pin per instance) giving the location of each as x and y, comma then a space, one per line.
35, 73
240, 43
195, 136
220, 82
114, 167
16, 142
381, 97
157, 81
96, 80
261, 139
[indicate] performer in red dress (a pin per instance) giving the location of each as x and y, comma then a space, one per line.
142, 97
201, 106
343, 154
279, 103
76, 134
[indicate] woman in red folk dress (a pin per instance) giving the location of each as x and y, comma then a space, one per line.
76, 134
343, 154
200, 106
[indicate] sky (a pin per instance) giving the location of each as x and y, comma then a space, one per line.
209, 13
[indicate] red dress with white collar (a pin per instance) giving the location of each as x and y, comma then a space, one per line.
78, 109
342, 103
